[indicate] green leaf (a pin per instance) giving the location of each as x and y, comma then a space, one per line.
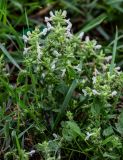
94, 23
114, 52
96, 107
71, 130
119, 125
111, 156
66, 102
113, 2
72, 7
107, 140
108, 131
22, 133
9, 56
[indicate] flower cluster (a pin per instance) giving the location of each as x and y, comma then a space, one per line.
105, 85
58, 55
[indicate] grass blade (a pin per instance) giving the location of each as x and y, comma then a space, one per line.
9, 56
72, 7
66, 102
93, 23
114, 52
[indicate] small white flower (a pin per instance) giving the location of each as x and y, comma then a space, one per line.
28, 33
39, 52
118, 68
32, 152
25, 51
55, 53
67, 21
81, 35
47, 19
96, 72
88, 136
84, 91
87, 39
114, 93
108, 58
43, 75
94, 79
53, 64
44, 32
51, 14
64, 13
63, 73
69, 26
55, 135
77, 68
95, 92
68, 34
98, 47
104, 67
25, 38
49, 26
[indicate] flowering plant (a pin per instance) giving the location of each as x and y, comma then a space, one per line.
66, 87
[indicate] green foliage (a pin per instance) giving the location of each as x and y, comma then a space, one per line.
64, 97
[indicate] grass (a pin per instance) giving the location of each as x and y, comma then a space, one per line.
38, 122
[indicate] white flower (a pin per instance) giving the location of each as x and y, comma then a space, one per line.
118, 68
96, 72
49, 26
97, 47
47, 19
25, 38
51, 14
84, 91
87, 39
53, 64
32, 152
95, 92
88, 136
43, 75
104, 67
67, 21
114, 93
44, 32
25, 51
94, 79
108, 58
64, 13
39, 52
77, 68
68, 34
63, 73
28, 33
81, 35
55, 53
69, 26
55, 135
